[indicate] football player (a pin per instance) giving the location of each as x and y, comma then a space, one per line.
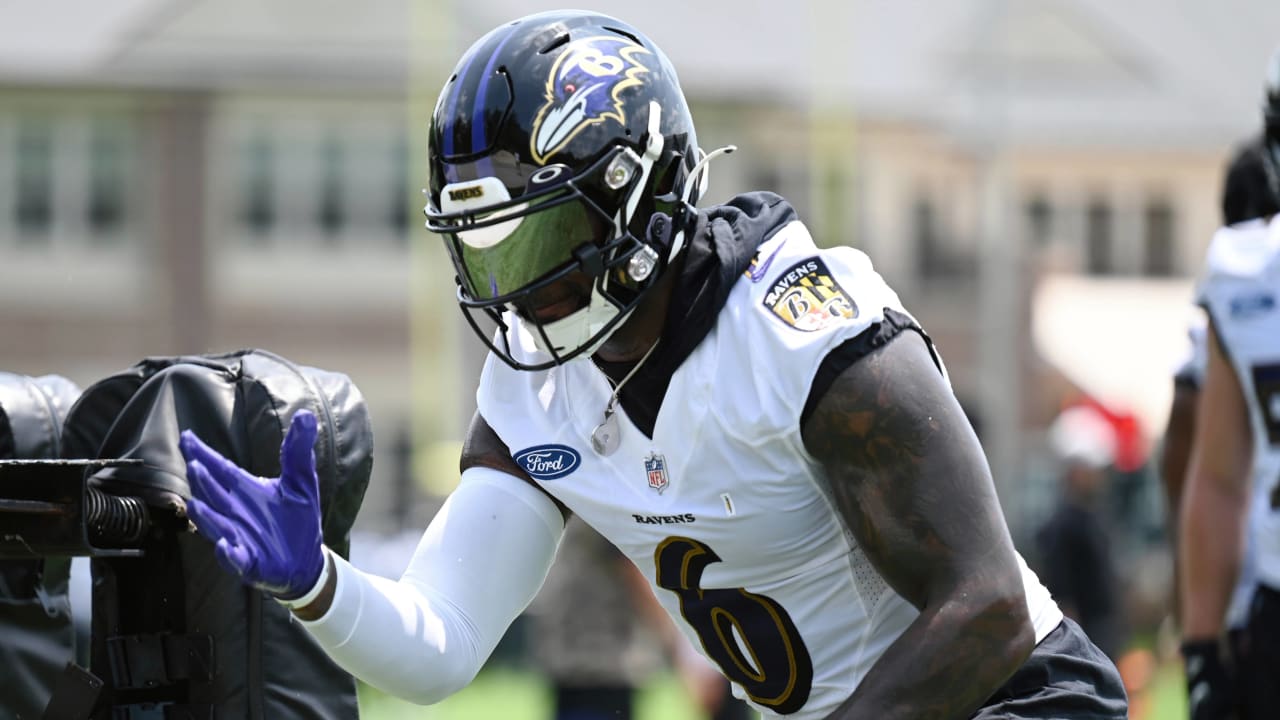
758, 424
1246, 195
1230, 512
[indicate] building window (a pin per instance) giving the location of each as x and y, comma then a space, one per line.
924, 228
399, 209
1098, 238
836, 227
257, 203
33, 182
1159, 256
1039, 215
106, 182
332, 215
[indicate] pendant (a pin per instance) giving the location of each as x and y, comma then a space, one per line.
606, 438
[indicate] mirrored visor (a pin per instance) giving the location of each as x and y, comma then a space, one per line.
504, 257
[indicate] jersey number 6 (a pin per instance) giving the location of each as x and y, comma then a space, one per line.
749, 636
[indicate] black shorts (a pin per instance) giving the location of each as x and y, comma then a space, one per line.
1257, 655
1066, 678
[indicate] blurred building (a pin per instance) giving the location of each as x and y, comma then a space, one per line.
1037, 179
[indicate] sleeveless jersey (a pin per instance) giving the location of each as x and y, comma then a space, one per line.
1241, 291
723, 510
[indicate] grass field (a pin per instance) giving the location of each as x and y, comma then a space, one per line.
503, 694
516, 695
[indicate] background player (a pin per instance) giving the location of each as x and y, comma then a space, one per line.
1230, 527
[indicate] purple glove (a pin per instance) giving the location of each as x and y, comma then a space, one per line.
266, 530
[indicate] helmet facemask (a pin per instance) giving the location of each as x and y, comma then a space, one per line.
566, 239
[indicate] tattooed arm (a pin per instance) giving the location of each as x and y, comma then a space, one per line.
911, 481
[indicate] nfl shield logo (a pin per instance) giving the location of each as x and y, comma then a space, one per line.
655, 467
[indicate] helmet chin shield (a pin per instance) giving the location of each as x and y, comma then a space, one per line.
585, 329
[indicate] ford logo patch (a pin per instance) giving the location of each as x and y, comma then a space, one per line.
548, 462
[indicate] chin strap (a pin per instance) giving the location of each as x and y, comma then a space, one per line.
703, 166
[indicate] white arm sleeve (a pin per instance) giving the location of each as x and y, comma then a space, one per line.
478, 565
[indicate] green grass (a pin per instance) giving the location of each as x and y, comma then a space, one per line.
1168, 695
518, 695
493, 694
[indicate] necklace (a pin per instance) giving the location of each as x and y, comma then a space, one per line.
606, 438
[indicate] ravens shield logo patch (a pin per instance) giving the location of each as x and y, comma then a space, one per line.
806, 297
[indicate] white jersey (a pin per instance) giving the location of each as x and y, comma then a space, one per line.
723, 510
1241, 291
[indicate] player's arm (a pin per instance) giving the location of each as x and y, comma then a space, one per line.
909, 476
1176, 452
478, 564
483, 448
1174, 458
1215, 499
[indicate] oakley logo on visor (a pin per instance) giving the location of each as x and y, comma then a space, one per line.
547, 175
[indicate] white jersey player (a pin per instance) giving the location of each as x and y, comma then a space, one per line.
1243, 687
1241, 292
758, 424
719, 504
1234, 480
